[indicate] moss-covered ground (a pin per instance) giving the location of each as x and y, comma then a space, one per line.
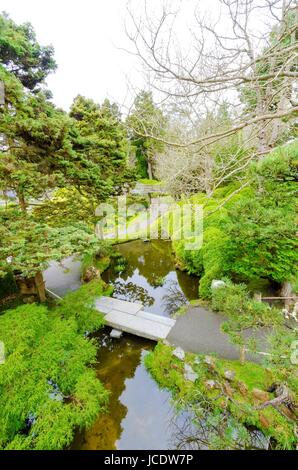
237, 397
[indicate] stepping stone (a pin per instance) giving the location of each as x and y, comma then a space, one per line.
179, 353
126, 307
116, 333
106, 304
103, 306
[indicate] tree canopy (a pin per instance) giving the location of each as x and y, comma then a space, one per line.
22, 55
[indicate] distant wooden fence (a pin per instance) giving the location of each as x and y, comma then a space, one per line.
259, 297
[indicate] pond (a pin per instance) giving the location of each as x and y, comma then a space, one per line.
150, 277
140, 415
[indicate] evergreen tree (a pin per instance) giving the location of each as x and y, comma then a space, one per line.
21, 54
146, 120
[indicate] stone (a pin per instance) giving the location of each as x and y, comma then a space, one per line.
260, 395
90, 274
189, 373
228, 389
29, 299
264, 421
242, 388
179, 266
216, 283
116, 333
229, 375
197, 360
179, 353
210, 384
210, 362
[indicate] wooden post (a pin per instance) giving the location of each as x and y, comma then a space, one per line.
40, 286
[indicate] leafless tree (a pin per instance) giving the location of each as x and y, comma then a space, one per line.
243, 56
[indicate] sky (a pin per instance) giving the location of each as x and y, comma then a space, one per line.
89, 38
86, 35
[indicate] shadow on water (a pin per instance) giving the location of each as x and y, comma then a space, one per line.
151, 278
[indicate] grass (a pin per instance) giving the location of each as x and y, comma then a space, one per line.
149, 182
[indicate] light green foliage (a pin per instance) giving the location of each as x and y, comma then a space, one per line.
80, 305
150, 182
47, 387
262, 228
67, 206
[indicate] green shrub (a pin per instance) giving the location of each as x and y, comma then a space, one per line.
253, 235
79, 305
48, 388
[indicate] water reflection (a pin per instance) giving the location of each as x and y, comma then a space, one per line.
131, 292
151, 278
140, 414
174, 298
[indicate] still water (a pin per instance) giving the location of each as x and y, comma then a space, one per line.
151, 278
140, 415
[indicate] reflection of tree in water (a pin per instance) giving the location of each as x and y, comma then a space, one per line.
153, 260
132, 293
174, 298
117, 362
207, 431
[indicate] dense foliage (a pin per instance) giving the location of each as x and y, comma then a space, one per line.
48, 388
22, 55
28, 245
59, 167
253, 234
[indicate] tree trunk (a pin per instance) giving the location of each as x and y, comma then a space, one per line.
22, 201
149, 170
286, 291
40, 286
